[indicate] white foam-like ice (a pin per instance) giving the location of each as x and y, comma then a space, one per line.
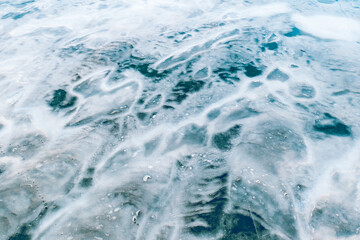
179, 120
329, 27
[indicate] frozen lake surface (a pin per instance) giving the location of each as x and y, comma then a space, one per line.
169, 120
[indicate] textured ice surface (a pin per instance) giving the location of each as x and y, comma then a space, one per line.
179, 119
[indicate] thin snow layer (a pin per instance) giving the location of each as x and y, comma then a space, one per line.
200, 119
329, 27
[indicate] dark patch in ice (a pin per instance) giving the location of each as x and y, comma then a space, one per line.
271, 45
21, 235
206, 214
183, 88
303, 91
255, 84
220, 179
228, 75
294, 32
141, 100
149, 72
213, 114
22, 4
276, 74
330, 125
15, 15
212, 217
207, 196
126, 57
223, 140
61, 99
167, 107
239, 226
76, 77
90, 170
252, 71
141, 115
302, 106
340, 93
188, 86
86, 182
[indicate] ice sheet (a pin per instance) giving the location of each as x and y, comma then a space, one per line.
179, 120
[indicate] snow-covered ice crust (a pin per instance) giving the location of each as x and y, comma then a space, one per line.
202, 119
